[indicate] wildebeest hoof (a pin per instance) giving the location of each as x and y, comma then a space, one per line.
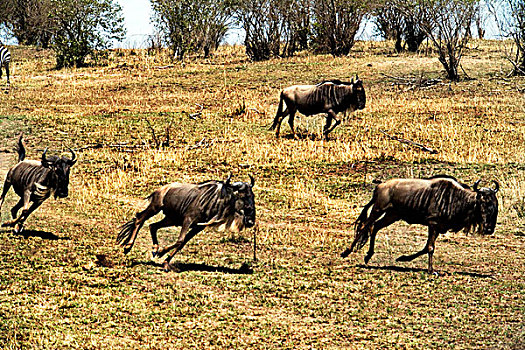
153, 254
166, 266
127, 249
367, 259
345, 253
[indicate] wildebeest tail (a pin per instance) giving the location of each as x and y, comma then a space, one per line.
126, 232
20, 149
279, 113
362, 228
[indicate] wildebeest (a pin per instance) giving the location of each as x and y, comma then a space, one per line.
330, 97
194, 207
441, 203
34, 181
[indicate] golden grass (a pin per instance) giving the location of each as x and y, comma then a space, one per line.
308, 193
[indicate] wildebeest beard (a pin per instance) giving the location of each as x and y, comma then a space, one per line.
235, 210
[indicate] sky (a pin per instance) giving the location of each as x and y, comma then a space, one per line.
137, 15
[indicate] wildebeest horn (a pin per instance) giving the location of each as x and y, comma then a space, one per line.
73, 160
44, 159
475, 187
496, 189
227, 182
252, 180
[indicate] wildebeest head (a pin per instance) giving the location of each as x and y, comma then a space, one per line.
359, 93
488, 207
60, 167
244, 204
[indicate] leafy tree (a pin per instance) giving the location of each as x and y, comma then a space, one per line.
83, 26
192, 25
403, 23
336, 23
28, 20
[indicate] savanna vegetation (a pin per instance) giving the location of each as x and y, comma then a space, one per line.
139, 120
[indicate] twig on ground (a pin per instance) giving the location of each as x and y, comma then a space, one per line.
419, 145
196, 114
413, 82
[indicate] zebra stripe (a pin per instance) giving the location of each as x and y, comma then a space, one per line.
5, 56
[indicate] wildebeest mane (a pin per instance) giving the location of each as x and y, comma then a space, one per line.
444, 176
448, 198
338, 95
334, 81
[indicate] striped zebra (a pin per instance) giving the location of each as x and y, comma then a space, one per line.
5, 58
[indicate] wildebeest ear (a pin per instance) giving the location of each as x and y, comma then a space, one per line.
252, 180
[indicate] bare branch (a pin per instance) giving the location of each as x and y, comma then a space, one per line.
409, 142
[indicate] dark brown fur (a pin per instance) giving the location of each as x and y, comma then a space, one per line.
193, 207
330, 97
441, 203
35, 181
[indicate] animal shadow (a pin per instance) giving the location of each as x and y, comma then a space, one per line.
415, 269
302, 135
41, 234
35, 233
184, 267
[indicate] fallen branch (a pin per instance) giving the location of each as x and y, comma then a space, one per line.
419, 145
117, 145
413, 82
164, 67
196, 114
204, 143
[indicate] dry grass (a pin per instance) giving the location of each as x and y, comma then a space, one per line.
56, 293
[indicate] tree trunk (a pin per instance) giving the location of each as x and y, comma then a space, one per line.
519, 68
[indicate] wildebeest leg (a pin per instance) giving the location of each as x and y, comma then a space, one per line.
327, 125
153, 228
327, 129
185, 235
23, 202
385, 221
279, 121
14, 210
429, 249
291, 120
26, 211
